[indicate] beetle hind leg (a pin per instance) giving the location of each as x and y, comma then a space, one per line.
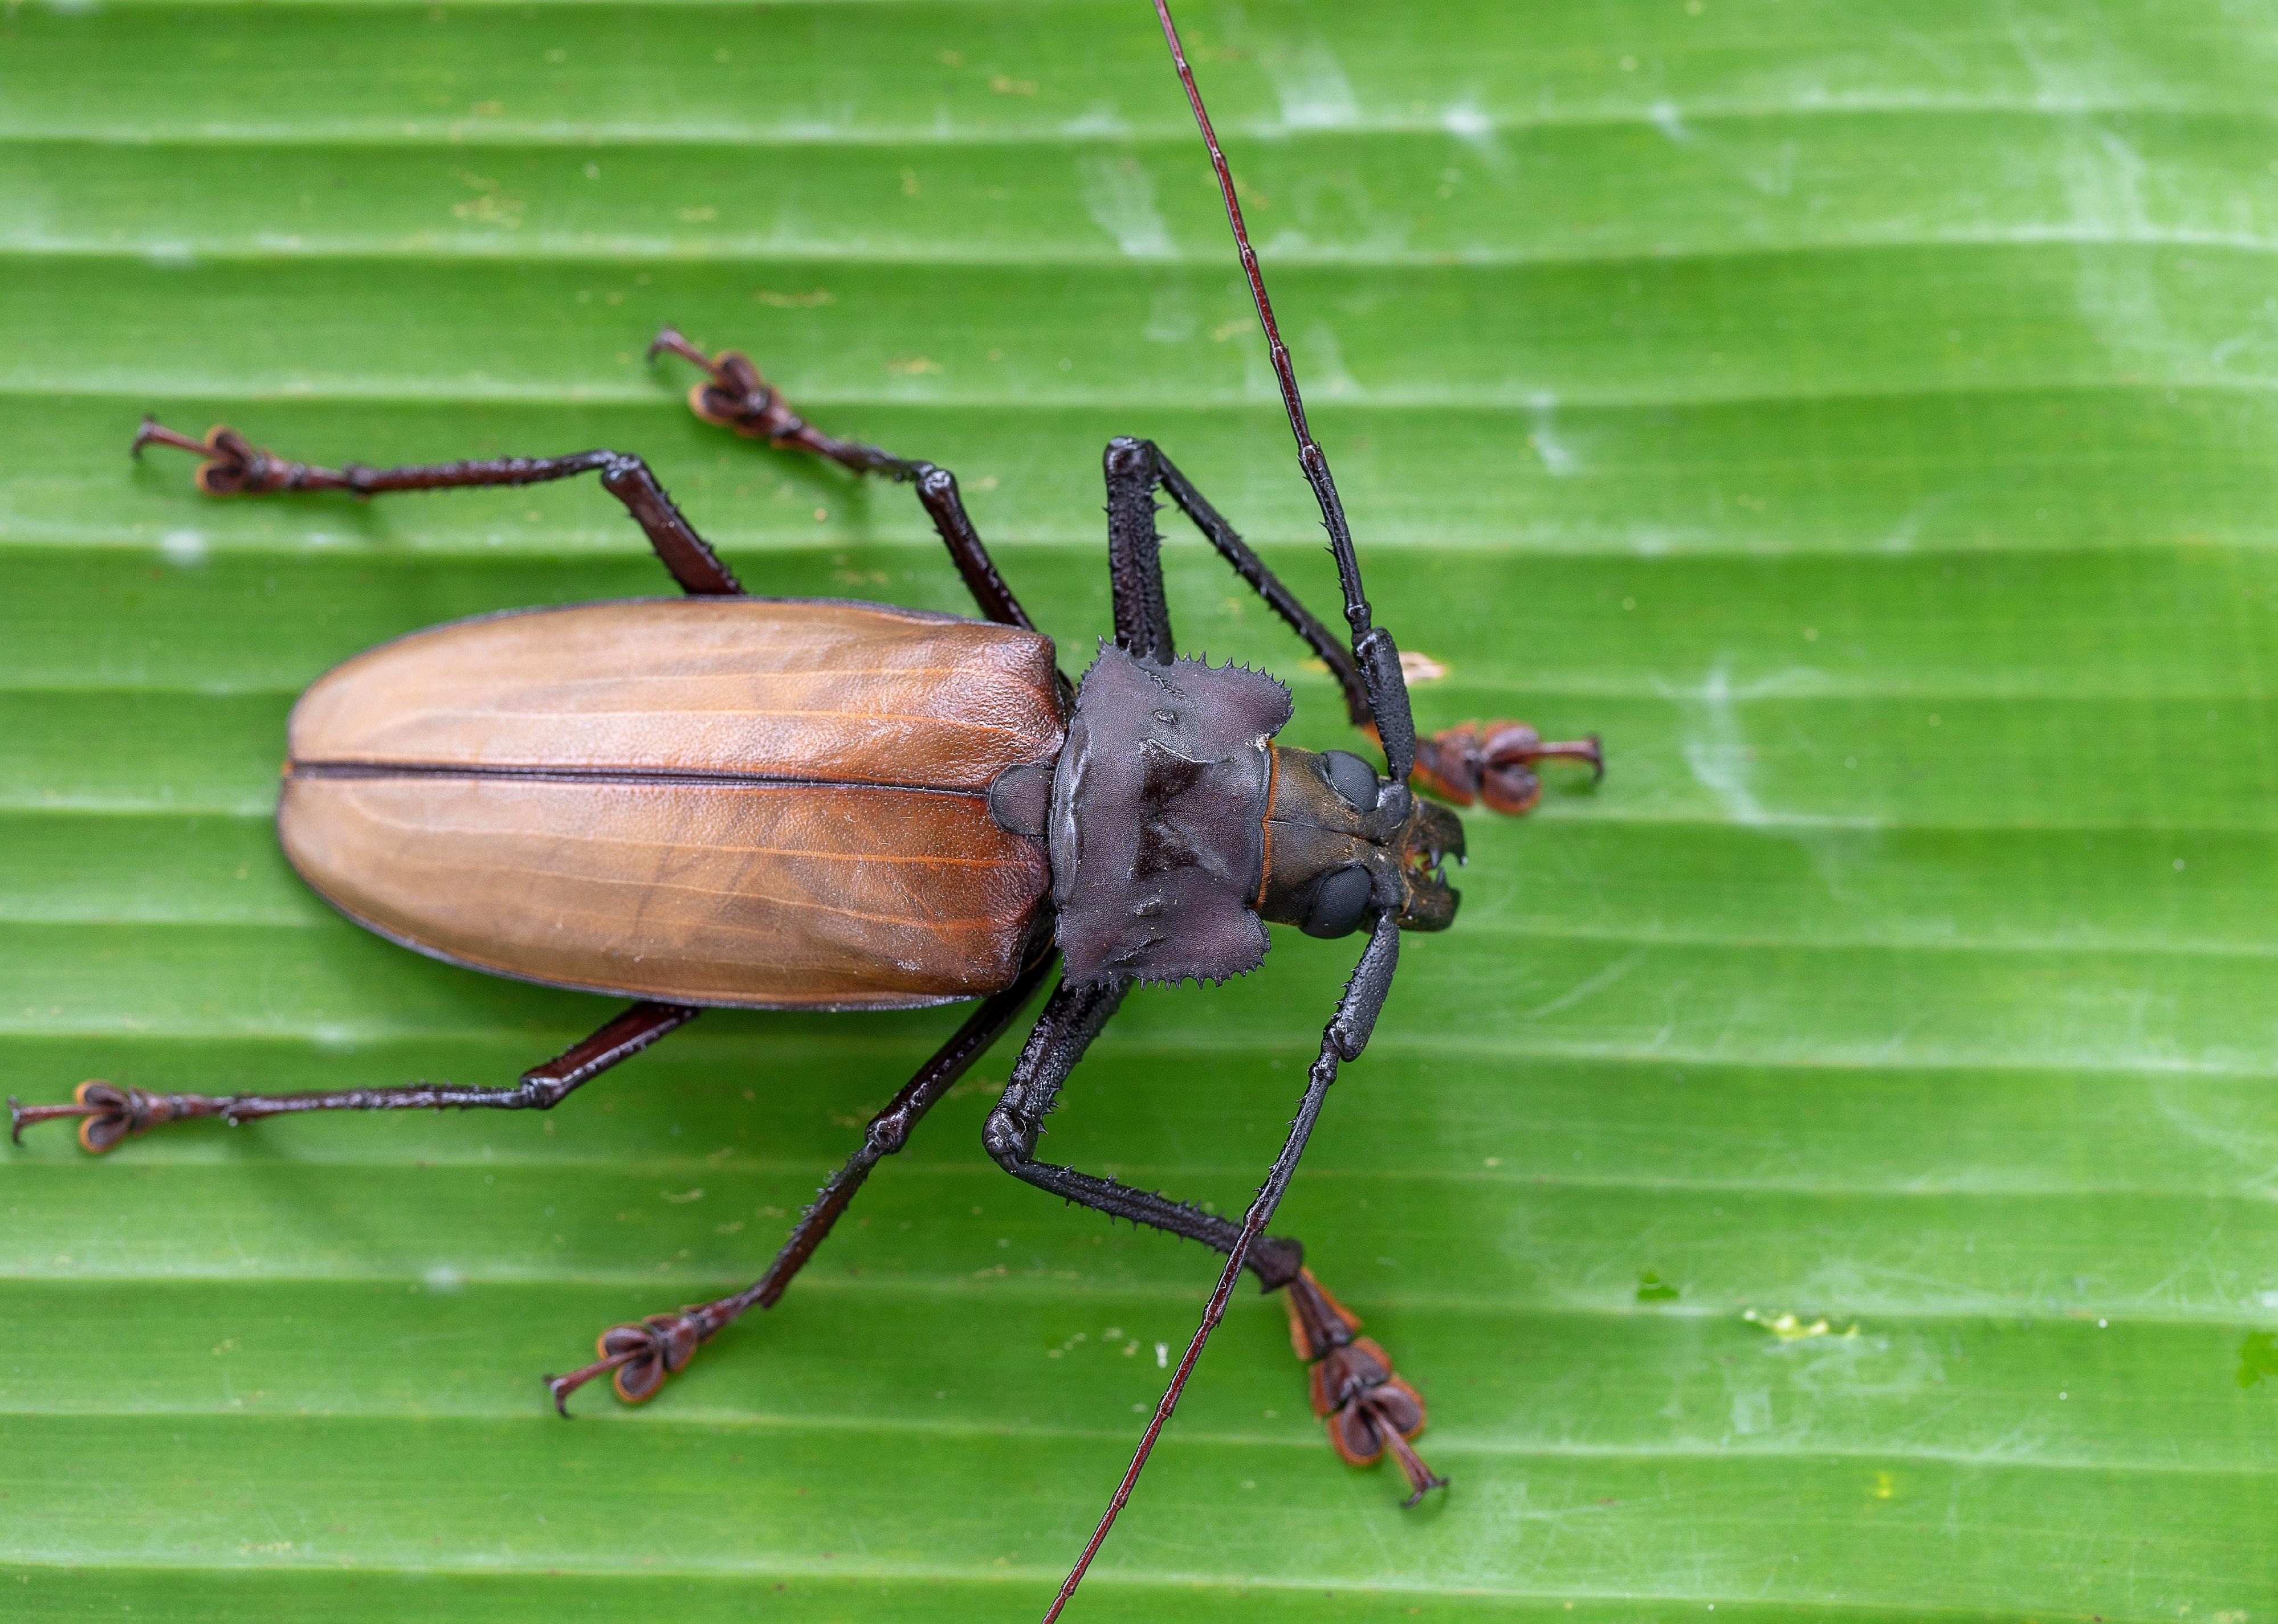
231, 465
108, 1115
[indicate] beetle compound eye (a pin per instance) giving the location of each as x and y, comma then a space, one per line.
1352, 777
1339, 901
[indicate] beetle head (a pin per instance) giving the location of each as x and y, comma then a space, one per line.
1343, 843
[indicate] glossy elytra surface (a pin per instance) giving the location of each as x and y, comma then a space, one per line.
743, 802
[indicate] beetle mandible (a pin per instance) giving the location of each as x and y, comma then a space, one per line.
720, 800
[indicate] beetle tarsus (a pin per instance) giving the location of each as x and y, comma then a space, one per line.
671, 340
152, 432
636, 1358
1367, 1408
735, 396
108, 1115
1494, 762
21, 1116
235, 465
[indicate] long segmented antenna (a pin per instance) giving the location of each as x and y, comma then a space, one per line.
1345, 1036
1387, 693
1372, 646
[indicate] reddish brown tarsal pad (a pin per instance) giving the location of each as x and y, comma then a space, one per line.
1421, 1478
737, 397
733, 394
114, 1121
232, 465
1494, 762
238, 466
636, 1358
1359, 1431
117, 1115
1363, 1406
1349, 1372
660, 1345
1375, 1415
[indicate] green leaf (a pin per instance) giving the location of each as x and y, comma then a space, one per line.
1827, 1169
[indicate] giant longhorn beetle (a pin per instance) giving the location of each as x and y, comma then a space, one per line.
720, 800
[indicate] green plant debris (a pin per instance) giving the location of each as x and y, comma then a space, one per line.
1787, 1327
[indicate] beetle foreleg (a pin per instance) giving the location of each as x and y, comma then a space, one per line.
735, 396
1135, 470
1493, 763
235, 465
1366, 1408
1071, 1020
636, 1358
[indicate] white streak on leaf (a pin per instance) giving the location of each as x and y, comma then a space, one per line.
1591, 987
186, 548
1557, 456
1718, 758
1314, 91
1120, 195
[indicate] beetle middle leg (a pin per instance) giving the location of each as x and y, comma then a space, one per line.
108, 1115
233, 466
637, 1357
735, 396
1493, 763
1367, 1408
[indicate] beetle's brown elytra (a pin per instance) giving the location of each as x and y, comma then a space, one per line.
721, 799
797, 793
